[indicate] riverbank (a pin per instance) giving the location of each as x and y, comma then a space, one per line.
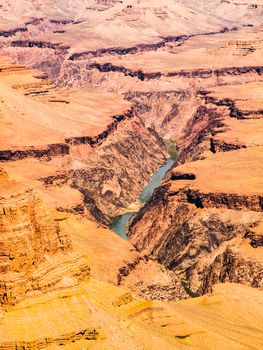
121, 222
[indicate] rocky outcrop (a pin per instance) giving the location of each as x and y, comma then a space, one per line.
223, 146
48, 152
209, 73
196, 136
63, 340
193, 226
164, 110
57, 180
61, 271
13, 32
109, 67
121, 51
55, 150
129, 50
169, 287
234, 112
256, 238
118, 176
219, 200
92, 141
61, 21
184, 230
35, 253
191, 74
230, 265
39, 44
24, 213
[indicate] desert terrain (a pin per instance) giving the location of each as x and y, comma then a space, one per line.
104, 103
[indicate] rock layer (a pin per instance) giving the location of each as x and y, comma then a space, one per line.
101, 160
201, 221
81, 133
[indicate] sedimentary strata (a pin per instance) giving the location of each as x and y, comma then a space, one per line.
201, 221
13, 32
101, 153
35, 254
88, 113
49, 152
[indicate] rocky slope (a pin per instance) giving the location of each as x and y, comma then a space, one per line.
52, 284
205, 220
35, 255
98, 315
86, 112
97, 155
40, 247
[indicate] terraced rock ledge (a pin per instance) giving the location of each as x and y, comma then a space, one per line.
92, 96
205, 219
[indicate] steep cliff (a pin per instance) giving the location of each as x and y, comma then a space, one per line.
117, 174
104, 158
49, 277
204, 221
35, 255
50, 266
86, 110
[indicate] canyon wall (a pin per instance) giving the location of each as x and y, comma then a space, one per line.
86, 113
101, 155
35, 255
205, 221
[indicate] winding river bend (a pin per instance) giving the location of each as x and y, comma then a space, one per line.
120, 223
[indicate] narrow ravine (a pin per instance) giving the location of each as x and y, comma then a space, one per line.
120, 223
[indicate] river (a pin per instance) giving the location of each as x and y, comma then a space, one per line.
120, 223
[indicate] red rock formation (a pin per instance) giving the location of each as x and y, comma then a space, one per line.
201, 221
35, 254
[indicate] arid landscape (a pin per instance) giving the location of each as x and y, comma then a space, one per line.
131, 175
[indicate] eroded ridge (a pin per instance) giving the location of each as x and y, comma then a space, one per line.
209, 208
88, 113
35, 255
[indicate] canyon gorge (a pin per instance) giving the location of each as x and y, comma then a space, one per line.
131, 163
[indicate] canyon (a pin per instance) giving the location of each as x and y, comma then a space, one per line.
95, 96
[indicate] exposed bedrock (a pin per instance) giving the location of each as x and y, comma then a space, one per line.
109, 165
234, 112
196, 135
223, 146
92, 141
61, 149
232, 264
63, 340
109, 169
166, 111
142, 47
189, 233
39, 44
129, 50
44, 251
223, 74
92, 72
35, 254
201, 226
48, 152
24, 214
41, 56
189, 230
13, 32
119, 174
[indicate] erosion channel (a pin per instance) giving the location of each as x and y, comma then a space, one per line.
120, 222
